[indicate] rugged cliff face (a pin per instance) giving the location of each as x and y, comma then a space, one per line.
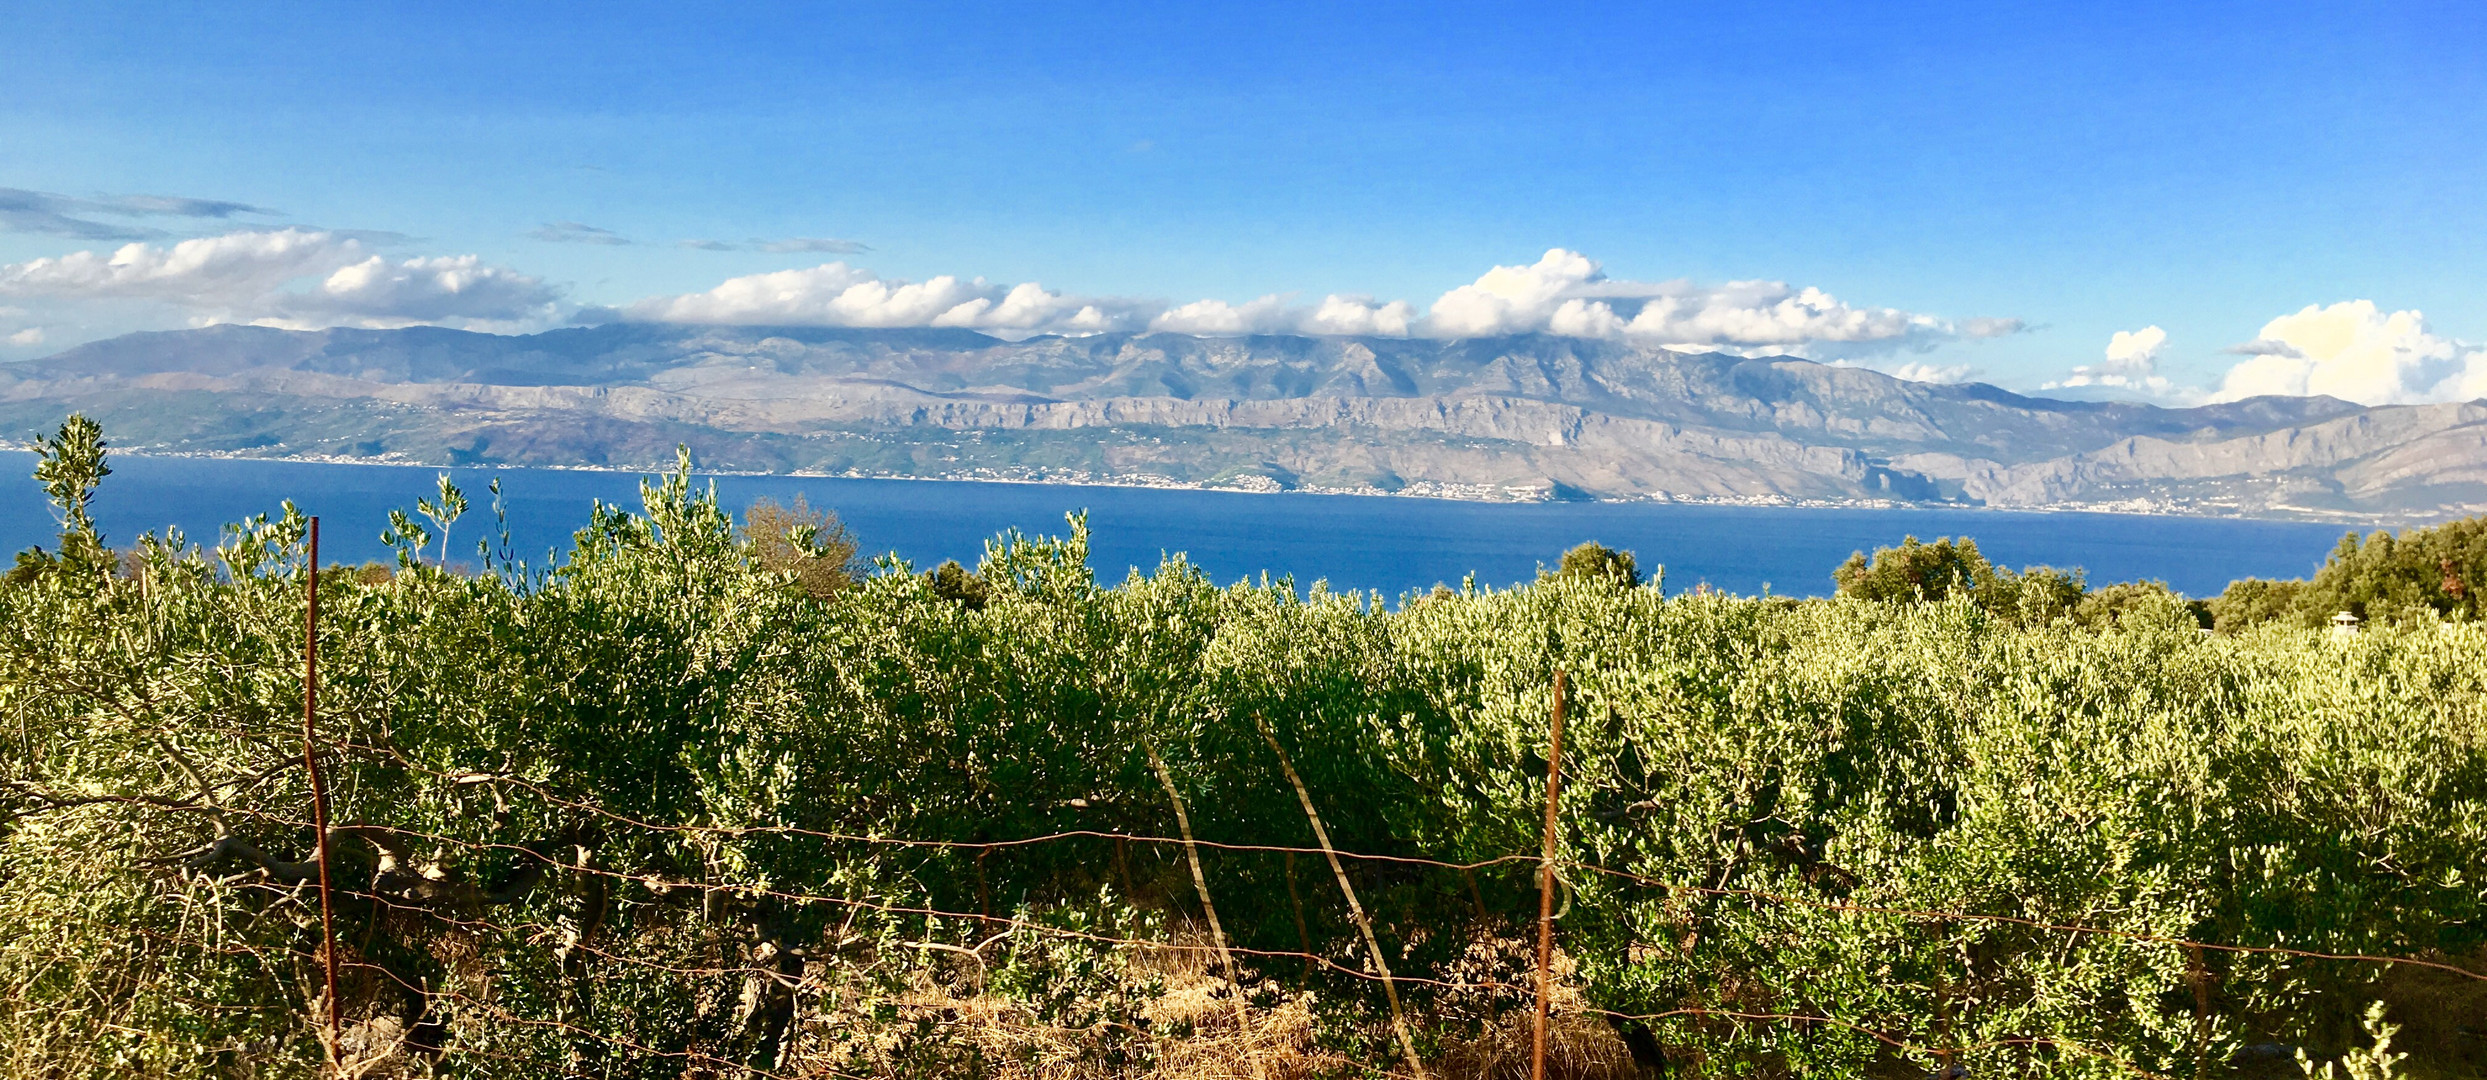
1527, 416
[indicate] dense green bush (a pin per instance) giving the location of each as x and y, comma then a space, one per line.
1918, 572
2417, 576
1596, 562
607, 818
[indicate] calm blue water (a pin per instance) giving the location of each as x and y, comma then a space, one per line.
1389, 544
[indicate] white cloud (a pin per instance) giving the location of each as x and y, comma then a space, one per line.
1266, 315
1513, 299
836, 294
27, 338
1770, 315
2132, 363
451, 289
206, 272
1337, 314
2134, 352
1562, 293
2356, 351
1930, 373
300, 277
840, 294
1565, 292
1359, 315
243, 277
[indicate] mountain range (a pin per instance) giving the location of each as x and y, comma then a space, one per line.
1531, 416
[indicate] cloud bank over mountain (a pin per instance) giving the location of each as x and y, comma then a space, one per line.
1568, 294
837, 294
294, 278
1564, 293
302, 278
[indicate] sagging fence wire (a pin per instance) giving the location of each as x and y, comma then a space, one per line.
1560, 864
708, 756
1017, 925
1014, 926
540, 860
397, 759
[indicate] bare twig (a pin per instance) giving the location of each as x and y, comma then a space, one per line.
1390, 989
1200, 882
319, 795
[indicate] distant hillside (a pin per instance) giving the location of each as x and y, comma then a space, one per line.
1529, 416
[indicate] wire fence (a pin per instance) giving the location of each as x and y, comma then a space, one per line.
988, 931
407, 890
998, 929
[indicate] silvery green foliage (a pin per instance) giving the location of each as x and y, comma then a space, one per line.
590, 771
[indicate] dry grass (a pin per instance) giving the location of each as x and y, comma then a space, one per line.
1187, 1029
2443, 1018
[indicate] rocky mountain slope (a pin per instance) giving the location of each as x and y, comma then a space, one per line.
1530, 416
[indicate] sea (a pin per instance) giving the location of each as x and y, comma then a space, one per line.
1384, 544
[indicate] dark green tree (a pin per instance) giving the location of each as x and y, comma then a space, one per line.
2252, 601
2420, 575
1594, 561
2134, 604
959, 585
1915, 571
1919, 572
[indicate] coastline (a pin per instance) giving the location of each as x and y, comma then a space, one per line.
1463, 493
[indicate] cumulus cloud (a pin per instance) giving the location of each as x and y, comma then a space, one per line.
1337, 314
27, 338
248, 277
1565, 292
1515, 299
2356, 351
836, 294
211, 271
62, 215
459, 290
1930, 373
1359, 315
305, 277
1267, 315
841, 294
576, 232
2132, 363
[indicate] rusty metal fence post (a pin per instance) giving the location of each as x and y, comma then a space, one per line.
1545, 885
319, 793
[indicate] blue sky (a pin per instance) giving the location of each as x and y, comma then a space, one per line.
2202, 169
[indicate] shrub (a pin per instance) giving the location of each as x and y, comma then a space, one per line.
810, 547
1593, 561
635, 816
